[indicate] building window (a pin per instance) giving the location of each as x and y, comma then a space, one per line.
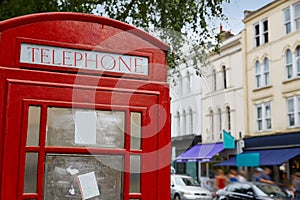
178, 123
211, 121
292, 18
297, 15
262, 73
292, 63
228, 117
289, 63
188, 77
265, 32
263, 116
293, 111
298, 60
258, 74
224, 77
214, 80
266, 72
257, 35
191, 121
261, 33
219, 121
184, 122
268, 123
287, 20
180, 85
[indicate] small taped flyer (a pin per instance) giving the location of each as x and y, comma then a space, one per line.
88, 185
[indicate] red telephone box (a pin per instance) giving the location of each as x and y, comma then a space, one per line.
84, 110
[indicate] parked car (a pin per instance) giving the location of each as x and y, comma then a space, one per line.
186, 188
252, 190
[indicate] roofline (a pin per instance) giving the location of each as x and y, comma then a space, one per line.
54, 16
268, 6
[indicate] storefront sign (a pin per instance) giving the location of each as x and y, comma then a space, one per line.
83, 59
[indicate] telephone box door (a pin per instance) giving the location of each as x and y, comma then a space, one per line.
77, 143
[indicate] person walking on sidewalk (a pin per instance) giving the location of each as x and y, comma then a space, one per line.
220, 180
296, 184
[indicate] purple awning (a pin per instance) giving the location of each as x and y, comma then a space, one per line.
200, 153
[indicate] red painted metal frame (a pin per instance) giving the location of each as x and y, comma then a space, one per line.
22, 85
135, 52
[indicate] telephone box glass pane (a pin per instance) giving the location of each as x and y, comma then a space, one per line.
95, 177
135, 173
31, 168
135, 130
33, 131
91, 128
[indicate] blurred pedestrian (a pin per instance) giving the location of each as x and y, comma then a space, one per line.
266, 176
285, 181
296, 183
220, 179
257, 174
242, 176
233, 176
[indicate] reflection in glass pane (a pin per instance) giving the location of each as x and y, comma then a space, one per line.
135, 130
78, 127
33, 131
30, 177
63, 174
135, 174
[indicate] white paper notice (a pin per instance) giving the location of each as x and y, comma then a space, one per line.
88, 185
85, 127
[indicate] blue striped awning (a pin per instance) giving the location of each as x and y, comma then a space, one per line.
267, 156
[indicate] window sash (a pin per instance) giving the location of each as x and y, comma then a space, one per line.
266, 72
287, 20
259, 112
289, 63
263, 116
220, 120
258, 74
211, 115
257, 35
262, 73
297, 10
214, 80
287, 15
297, 16
291, 112
265, 31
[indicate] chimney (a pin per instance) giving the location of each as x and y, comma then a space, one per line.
247, 13
225, 35
221, 28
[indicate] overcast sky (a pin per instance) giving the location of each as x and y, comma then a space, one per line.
235, 12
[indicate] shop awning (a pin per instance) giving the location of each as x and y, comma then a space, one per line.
267, 156
230, 162
200, 153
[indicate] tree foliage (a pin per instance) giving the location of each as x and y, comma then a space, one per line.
185, 25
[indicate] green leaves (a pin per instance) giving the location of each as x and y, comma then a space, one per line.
185, 25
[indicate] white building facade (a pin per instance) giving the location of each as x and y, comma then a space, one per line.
223, 93
186, 113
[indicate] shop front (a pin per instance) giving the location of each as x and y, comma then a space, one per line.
280, 152
84, 110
